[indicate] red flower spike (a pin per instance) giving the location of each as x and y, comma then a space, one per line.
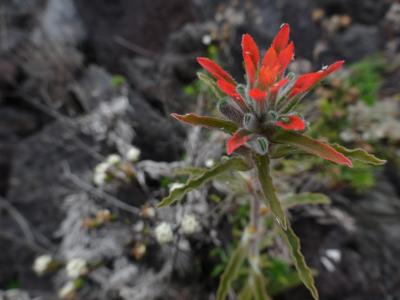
230, 90
215, 70
281, 39
258, 95
286, 56
238, 139
249, 47
294, 123
250, 69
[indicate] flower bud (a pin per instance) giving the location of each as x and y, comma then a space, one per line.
164, 233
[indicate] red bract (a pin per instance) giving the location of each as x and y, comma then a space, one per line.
238, 139
263, 104
293, 122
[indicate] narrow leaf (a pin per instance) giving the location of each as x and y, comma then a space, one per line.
264, 176
299, 261
232, 271
231, 164
305, 198
312, 146
259, 290
360, 155
209, 122
247, 292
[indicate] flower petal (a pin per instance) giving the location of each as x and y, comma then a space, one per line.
215, 70
277, 86
294, 123
270, 58
230, 90
250, 68
238, 139
282, 38
286, 56
250, 48
267, 76
307, 81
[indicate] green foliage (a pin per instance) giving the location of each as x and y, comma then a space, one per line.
118, 81
299, 261
229, 164
305, 198
232, 270
360, 178
280, 276
360, 155
264, 177
367, 77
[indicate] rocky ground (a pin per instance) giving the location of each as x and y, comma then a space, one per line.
63, 110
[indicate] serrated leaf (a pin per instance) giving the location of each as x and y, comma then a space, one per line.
305, 199
271, 199
299, 261
259, 290
189, 171
232, 271
208, 122
359, 154
230, 164
312, 146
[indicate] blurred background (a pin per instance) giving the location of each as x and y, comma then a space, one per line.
87, 148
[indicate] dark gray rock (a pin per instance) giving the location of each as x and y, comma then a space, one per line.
357, 42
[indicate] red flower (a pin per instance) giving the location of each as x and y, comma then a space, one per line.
251, 57
266, 83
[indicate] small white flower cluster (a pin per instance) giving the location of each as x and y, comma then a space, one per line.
42, 264
76, 267
100, 171
372, 123
190, 224
164, 233
133, 154
67, 291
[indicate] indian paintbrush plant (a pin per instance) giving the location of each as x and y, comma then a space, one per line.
260, 117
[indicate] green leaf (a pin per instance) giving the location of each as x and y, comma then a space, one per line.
232, 271
312, 146
271, 199
246, 292
259, 290
226, 165
360, 154
299, 261
208, 122
305, 198
189, 171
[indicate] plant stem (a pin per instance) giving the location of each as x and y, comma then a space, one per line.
255, 223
